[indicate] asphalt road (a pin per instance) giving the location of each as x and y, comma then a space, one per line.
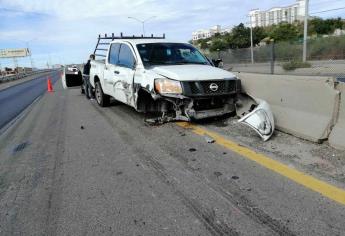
69, 167
14, 99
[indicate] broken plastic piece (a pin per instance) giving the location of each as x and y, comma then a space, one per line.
208, 139
260, 119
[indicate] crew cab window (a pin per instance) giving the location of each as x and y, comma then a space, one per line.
114, 53
126, 57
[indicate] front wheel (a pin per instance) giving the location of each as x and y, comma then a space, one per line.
102, 99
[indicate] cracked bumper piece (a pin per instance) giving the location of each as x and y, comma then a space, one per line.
260, 119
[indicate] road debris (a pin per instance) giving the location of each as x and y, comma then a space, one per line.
192, 150
234, 177
208, 139
20, 147
217, 174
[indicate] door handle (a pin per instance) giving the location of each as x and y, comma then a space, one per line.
117, 72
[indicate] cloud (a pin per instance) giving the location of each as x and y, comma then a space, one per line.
69, 28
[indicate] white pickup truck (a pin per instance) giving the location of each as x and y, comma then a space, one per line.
157, 75
172, 79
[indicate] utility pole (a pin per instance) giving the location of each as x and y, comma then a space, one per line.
305, 38
251, 39
251, 42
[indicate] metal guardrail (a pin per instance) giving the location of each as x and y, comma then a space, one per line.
20, 75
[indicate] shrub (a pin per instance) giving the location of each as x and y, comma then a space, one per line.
295, 64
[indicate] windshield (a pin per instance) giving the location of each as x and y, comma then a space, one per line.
170, 54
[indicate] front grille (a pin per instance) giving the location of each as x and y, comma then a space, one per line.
221, 87
194, 88
205, 87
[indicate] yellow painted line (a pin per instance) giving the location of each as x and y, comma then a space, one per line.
327, 190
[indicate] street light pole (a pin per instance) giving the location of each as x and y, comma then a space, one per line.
28, 47
142, 21
305, 38
31, 61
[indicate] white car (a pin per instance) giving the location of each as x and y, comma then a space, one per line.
169, 78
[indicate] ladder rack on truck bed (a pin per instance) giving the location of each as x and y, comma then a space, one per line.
107, 39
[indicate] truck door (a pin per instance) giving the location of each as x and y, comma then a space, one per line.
124, 73
71, 77
110, 76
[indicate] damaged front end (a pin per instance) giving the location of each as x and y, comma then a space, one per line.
256, 114
195, 100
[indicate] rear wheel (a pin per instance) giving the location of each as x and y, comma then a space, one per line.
102, 99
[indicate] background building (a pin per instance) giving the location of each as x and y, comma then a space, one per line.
276, 15
208, 33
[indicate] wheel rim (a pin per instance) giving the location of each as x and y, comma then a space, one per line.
98, 93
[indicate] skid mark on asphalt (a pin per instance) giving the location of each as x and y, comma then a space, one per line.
325, 189
205, 215
243, 204
230, 195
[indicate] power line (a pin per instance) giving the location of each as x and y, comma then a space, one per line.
328, 2
334, 9
19, 11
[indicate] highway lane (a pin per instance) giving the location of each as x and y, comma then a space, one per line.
70, 167
15, 99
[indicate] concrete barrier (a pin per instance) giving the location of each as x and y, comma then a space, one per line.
21, 75
337, 137
304, 106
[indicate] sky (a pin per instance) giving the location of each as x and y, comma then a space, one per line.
65, 31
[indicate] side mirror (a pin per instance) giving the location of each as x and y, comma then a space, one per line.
217, 63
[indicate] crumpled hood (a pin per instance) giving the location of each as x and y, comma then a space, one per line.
191, 72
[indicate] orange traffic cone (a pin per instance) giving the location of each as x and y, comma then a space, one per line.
49, 85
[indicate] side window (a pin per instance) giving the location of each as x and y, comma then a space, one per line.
126, 57
114, 53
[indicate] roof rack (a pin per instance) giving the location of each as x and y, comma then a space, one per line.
101, 41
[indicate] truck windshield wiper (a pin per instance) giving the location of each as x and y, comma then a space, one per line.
158, 62
191, 62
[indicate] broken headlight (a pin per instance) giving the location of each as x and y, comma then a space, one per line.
168, 86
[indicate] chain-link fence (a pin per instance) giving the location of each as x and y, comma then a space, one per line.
325, 56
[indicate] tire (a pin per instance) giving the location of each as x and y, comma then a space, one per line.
91, 92
82, 90
102, 99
